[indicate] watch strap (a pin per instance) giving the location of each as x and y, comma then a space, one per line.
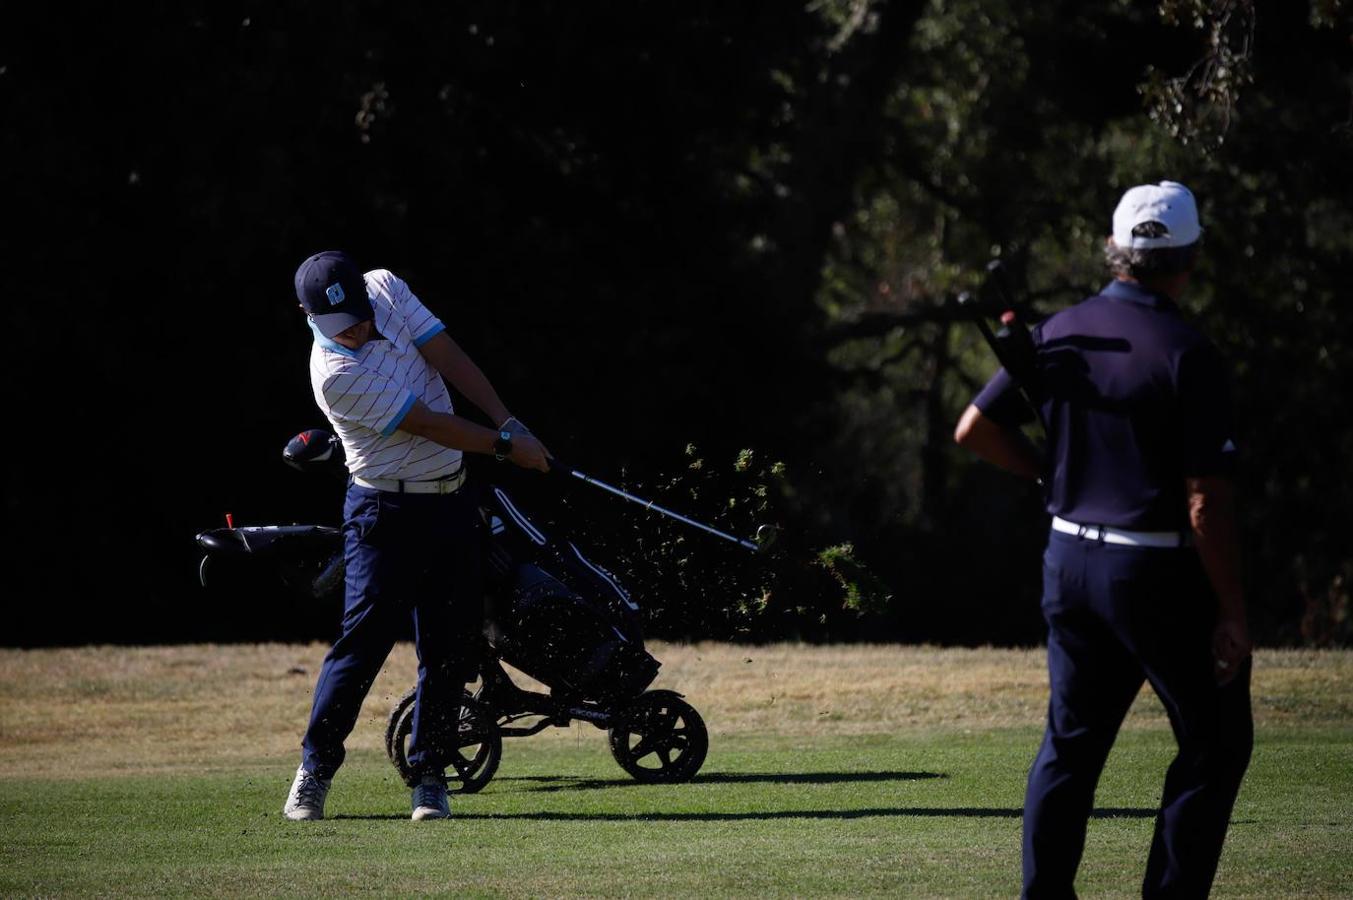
502, 446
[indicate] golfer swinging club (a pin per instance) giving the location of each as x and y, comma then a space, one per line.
411, 541
1140, 451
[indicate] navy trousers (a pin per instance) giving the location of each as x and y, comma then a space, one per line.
1117, 616
412, 560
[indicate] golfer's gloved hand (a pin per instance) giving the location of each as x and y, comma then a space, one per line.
529, 453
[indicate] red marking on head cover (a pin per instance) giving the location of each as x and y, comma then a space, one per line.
304, 436
1008, 317
230, 521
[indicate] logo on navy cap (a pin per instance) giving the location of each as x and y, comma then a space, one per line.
335, 293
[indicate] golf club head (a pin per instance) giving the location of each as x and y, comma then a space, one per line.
313, 450
765, 536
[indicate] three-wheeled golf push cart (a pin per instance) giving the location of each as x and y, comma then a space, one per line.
552, 613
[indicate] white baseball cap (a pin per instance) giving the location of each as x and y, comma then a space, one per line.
1170, 204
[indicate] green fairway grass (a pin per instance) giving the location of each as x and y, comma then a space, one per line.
931, 810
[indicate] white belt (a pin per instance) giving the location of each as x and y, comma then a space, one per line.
1120, 536
448, 485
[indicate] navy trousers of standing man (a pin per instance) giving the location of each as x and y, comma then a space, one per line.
411, 559
1118, 615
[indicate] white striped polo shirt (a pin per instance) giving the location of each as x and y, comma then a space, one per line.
366, 393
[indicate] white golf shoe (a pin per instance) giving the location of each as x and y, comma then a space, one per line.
429, 799
306, 800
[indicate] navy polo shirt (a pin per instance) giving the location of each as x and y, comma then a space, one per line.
1136, 400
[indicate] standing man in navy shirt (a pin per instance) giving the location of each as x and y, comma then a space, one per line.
1141, 575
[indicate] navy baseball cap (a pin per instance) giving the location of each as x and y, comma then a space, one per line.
332, 292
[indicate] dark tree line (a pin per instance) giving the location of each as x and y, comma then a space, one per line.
670, 233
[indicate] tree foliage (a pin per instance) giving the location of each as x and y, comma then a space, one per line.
724, 225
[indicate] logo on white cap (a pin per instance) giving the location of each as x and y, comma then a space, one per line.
335, 293
1169, 205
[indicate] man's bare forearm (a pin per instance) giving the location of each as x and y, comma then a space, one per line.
455, 365
1006, 448
1212, 516
448, 430
462, 434
474, 385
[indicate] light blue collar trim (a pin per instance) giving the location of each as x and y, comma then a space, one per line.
328, 343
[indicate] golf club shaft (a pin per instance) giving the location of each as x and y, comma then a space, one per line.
649, 504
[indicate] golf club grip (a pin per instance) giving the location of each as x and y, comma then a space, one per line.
559, 468
965, 300
1000, 281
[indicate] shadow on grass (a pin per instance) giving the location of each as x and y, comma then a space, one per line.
960, 812
568, 783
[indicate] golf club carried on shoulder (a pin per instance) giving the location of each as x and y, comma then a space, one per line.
765, 534
1012, 343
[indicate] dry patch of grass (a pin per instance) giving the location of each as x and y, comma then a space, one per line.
861, 689
104, 710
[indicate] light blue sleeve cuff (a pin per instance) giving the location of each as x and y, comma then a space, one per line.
436, 329
399, 416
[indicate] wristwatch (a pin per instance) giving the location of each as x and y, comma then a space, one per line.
502, 447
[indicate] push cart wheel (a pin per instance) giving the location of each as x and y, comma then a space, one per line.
474, 761
659, 738
401, 709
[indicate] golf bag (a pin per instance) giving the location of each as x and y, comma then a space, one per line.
557, 615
